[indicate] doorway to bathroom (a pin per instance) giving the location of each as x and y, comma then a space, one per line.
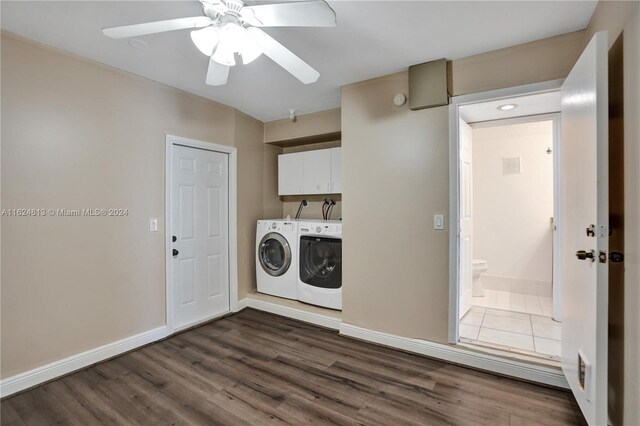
508, 210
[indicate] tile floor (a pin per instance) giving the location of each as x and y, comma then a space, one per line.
517, 330
517, 302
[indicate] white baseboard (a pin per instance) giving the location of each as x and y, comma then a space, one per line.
494, 364
73, 363
241, 305
507, 367
290, 312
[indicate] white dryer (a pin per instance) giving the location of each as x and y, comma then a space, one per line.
320, 263
276, 257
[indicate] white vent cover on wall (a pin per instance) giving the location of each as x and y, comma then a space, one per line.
511, 165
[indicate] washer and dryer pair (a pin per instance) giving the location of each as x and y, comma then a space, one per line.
300, 260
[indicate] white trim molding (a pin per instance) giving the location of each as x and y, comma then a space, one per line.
291, 312
454, 180
456, 355
73, 363
242, 304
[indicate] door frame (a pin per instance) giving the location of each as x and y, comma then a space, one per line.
454, 184
170, 141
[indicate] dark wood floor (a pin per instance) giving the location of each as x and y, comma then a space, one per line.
257, 368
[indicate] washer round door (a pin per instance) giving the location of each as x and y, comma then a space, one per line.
274, 253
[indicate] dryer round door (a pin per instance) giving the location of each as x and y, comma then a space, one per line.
274, 253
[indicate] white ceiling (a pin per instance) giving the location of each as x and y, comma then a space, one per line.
373, 38
540, 103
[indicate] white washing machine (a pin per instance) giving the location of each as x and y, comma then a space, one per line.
320, 263
277, 257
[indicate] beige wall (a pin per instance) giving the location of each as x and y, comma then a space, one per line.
512, 213
624, 17
542, 60
313, 210
255, 162
305, 126
76, 134
402, 157
272, 204
395, 177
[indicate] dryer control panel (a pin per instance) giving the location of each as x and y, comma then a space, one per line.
320, 228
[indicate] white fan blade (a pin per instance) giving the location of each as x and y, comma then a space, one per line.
135, 30
315, 13
287, 59
217, 74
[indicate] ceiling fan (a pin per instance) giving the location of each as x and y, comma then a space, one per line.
229, 27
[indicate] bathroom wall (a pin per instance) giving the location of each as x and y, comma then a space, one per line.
512, 212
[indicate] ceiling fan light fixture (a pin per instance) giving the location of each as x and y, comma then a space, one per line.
224, 56
233, 36
205, 39
252, 48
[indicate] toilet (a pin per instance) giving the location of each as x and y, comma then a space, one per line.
479, 266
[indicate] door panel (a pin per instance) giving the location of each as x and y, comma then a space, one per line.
466, 219
316, 171
200, 206
215, 211
584, 171
290, 174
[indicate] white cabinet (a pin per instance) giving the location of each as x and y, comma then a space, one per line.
290, 174
316, 171
310, 172
336, 171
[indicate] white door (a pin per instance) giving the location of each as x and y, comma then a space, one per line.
290, 174
200, 225
316, 171
585, 203
466, 219
336, 170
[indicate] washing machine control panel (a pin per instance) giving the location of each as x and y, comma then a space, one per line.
277, 226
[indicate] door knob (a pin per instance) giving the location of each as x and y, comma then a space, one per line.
616, 257
175, 252
583, 255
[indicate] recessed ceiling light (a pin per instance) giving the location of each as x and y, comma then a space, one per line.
138, 44
507, 107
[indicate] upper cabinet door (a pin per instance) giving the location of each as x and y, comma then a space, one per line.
336, 171
316, 172
290, 174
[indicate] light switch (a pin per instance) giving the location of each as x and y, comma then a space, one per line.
438, 221
153, 224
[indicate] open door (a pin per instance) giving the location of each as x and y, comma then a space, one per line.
585, 229
466, 219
